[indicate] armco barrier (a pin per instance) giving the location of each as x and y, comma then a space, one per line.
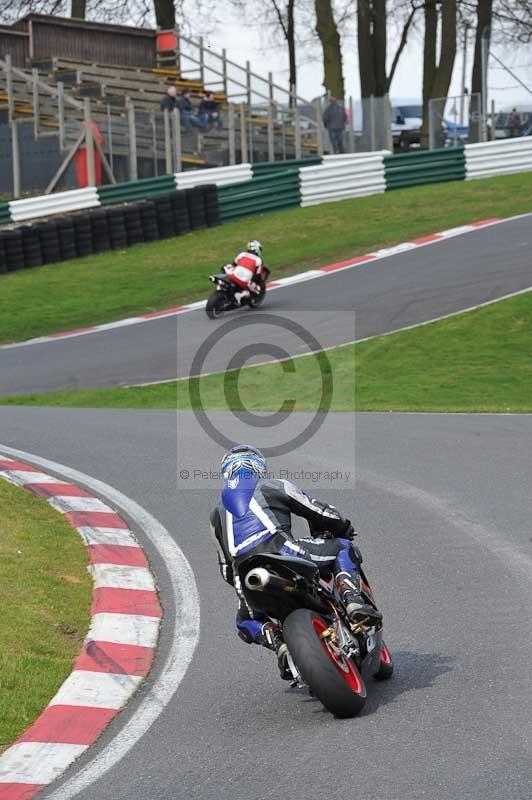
5, 213
270, 193
424, 166
58, 203
221, 176
342, 177
263, 168
501, 157
135, 190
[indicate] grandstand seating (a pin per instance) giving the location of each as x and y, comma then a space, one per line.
114, 88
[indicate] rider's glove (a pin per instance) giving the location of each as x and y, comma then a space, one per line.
350, 533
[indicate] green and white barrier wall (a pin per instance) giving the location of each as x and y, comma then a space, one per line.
253, 189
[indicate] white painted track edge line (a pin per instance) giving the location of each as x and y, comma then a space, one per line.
184, 633
137, 320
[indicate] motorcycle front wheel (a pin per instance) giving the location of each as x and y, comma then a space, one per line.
216, 305
330, 674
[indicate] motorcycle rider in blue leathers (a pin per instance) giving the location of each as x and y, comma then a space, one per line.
253, 515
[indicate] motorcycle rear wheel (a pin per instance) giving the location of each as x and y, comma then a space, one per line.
385, 670
331, 676
216, 305
257, 299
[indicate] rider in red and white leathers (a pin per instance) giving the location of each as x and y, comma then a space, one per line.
243, 269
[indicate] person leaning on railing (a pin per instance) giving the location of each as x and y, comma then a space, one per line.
168, 103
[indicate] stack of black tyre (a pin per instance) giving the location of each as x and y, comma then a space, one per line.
109, 228
117, 227
212, 209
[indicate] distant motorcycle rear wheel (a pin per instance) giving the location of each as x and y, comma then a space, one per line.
256, 299
332, 677
216, 305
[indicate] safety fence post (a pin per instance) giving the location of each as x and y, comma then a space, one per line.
133, 172
169, 161
243, 135
178, 145
89, 142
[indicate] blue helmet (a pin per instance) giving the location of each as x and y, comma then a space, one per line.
243, 456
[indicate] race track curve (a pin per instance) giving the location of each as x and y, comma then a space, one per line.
397, 291
442, 503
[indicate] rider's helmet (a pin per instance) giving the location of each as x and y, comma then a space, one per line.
255, 247
243, 456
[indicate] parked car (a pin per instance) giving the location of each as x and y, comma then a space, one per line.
406, 126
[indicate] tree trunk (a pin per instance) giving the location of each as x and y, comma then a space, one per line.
371, 33
379, 46
484, 16
291, 40
437, 76
164, 14
327, 31
78, 9
365, 48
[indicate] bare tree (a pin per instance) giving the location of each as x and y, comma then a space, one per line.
372, 36
164, 14
329, 36
437, 71
286, 18
78, 9
484, 14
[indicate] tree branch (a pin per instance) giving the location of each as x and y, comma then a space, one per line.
402, 43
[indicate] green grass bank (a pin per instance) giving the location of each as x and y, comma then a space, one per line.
477, 361
45, 593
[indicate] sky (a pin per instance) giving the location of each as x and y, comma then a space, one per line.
251, 40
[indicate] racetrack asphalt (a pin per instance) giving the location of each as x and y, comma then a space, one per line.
384, 295
443, 506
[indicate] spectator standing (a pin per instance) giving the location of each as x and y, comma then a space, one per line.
209, 112
334, 119
168, 103
514, 123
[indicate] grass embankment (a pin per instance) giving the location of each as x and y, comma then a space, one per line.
477, 361
147, 277
45, 594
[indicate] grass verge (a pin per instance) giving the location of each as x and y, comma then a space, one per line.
477, 361
45, 592
144, 278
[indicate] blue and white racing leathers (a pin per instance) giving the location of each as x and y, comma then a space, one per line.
254, 516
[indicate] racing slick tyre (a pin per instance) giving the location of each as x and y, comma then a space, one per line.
385, 670
216, 305
332, 677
